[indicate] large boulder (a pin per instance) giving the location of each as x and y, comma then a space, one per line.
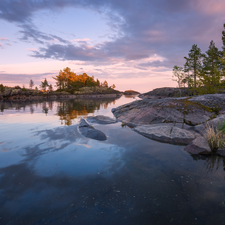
90, 132
167, 110
166, 133
101, 119
198, 146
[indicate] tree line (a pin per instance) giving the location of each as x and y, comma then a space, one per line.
67, 80
203, 72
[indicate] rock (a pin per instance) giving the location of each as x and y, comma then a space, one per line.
166, 133
216, 123
131, 92
167, 110
165, 92
90, 132
7, 92
16, 92
199, 146
214, 101
101, 119
221, 152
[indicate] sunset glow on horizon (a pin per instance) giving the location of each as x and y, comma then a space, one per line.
133, 45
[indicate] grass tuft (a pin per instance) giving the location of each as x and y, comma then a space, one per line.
215, 137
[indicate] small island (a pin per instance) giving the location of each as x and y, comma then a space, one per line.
69, 86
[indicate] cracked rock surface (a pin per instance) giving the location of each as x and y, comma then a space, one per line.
175, 120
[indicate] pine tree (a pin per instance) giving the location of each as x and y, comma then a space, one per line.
44, 85
223, 37
31, 84
211, 62
98, 83
194, 62
50, 88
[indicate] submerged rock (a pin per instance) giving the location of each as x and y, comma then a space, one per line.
199, 146
101, 119
90, 132
166, 133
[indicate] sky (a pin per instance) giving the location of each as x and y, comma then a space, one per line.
132, 44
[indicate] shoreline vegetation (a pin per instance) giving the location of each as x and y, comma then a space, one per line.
69, 85
202, 73
12, 93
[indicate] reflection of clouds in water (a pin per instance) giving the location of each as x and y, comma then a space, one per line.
5, 150
63, 149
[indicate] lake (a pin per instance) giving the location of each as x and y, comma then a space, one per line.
51, 174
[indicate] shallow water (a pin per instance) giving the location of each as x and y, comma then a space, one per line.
50, 174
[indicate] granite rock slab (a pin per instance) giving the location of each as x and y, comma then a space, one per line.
166, 133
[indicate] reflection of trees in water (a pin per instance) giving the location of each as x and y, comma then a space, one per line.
212, 162
67, 110
71, 109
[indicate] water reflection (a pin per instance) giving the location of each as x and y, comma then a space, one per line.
211, 163
70, 110
67, 110
50, 174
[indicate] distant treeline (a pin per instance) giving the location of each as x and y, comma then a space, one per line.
203, 72
67, 81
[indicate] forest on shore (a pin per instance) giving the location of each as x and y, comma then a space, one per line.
203, 73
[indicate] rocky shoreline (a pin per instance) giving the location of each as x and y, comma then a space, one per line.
20, 95
175, 120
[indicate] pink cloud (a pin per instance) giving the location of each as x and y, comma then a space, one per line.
3, 39
31, 49
211, 7
77, 40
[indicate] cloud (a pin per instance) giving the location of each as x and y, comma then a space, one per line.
31, 49
30, 32
70, 52
3, 39
82, 40
143, 28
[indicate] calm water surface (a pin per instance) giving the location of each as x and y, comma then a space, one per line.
50, 174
